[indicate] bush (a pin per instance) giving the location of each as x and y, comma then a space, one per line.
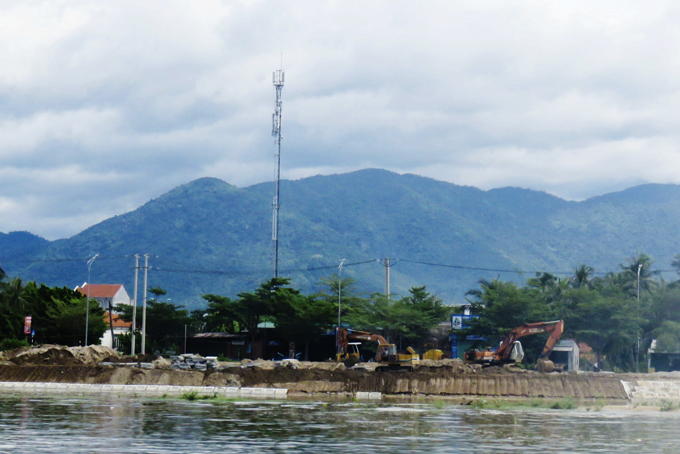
12, 344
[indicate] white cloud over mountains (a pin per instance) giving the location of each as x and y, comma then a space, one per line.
104, 105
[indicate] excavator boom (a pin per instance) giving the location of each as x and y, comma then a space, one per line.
386, 354
507, 350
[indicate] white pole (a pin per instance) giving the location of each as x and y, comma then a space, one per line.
337, 330
146, 269
87, 309
637, 350
387, 278
134, 308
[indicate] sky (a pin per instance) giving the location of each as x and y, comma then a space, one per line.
106, 105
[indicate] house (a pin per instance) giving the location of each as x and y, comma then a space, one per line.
105, 294
120, 327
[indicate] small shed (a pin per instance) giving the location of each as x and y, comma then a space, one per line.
566, 352
662, 361
229, 345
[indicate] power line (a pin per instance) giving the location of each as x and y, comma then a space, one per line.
317, 268
82, 259
254, 272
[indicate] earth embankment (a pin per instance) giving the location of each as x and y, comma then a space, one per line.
425, 381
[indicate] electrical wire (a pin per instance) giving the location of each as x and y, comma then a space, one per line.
314, 268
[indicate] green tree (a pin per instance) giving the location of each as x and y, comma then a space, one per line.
13, 305
667, 336
501, 306
610, 326
422, 312
165, 323
353, 307
640, 263
582, 275
303, 319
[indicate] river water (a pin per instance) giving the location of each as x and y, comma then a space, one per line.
98, 424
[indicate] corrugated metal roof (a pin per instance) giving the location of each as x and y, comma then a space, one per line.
218, 336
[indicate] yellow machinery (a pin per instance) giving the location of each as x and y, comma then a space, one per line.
387, 356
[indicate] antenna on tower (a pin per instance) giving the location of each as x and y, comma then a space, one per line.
278, 77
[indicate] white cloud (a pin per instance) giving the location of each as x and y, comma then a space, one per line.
575, 98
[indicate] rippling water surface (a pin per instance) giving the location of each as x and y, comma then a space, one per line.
100, 425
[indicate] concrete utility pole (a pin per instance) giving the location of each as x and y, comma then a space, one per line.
146, 269
637, 349
337, 331
387, 278
87, 309
134, 307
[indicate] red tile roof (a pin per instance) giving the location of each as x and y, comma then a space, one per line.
100, 290
117, 322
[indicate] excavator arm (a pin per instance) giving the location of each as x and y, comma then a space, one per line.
555, 328
345, 336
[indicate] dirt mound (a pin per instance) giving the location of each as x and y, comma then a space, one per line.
114, 358
58, 355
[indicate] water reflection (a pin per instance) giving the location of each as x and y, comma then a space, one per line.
108, 425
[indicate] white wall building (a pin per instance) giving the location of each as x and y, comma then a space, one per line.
113, 294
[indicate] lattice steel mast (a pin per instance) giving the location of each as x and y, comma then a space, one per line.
277, 77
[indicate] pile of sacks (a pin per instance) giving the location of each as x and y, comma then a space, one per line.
189, 361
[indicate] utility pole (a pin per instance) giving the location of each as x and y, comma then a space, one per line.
386, 263
387, 278
278, 78
146, 269
87, 309
134, 308
337, 331
637, 349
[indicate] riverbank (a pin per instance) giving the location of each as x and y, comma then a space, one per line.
425, 381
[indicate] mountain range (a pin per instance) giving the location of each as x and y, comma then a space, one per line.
208, 236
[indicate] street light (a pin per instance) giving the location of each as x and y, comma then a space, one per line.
87, 310
337, 331
637, 350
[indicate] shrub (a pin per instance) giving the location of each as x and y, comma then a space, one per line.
12, 344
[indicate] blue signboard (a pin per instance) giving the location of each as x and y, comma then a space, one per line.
458, 321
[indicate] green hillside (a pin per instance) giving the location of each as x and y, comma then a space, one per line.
210, 237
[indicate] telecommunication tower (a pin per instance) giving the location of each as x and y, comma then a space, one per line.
278, 77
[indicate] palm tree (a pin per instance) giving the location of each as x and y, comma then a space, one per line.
640, 263
582, 275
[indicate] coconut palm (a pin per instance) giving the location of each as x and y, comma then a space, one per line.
640, 263
582, 275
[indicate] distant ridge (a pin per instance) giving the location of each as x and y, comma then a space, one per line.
208, 225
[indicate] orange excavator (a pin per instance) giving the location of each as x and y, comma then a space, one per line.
387, 356
511, 351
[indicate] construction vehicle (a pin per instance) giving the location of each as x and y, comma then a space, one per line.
510, 351
387, 356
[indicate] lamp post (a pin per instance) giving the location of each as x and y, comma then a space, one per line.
87, 309
637, 349
337, 331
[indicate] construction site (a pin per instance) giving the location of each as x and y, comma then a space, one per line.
442, 379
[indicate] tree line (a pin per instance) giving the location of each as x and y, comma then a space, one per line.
604, 311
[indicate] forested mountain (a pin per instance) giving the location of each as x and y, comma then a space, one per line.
210, 237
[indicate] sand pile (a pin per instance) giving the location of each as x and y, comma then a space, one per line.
58, 355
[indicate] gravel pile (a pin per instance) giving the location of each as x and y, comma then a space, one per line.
189, 361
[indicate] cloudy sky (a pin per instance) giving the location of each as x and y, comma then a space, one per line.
105, 105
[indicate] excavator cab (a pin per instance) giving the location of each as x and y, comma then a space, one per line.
387, 353
517, 353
